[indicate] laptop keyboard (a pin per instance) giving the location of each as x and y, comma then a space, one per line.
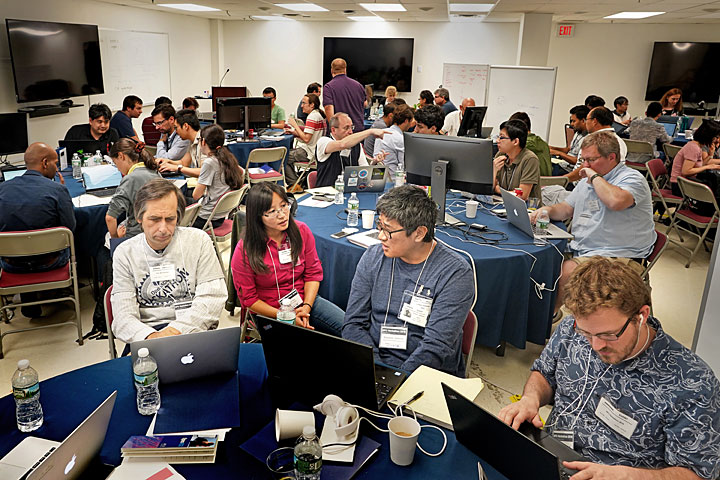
106, 192
382, 390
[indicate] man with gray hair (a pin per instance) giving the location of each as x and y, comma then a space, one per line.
611, 209
410, 295
342, 148
167, 281
452, 122
442, 99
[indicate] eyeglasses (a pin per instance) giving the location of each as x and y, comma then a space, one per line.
503, 137
382, 228
606, 337
157, 124
275, 212
591, 159
350, 128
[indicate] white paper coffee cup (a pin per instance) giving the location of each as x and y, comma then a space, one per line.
404, 433
471, 207
368, 219
290, 423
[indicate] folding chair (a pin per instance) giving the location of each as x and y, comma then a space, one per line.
108, 322
670, 152
470, 329
560, 181
227, 202
190, 215
569, 134
39, 242
658, 175
658, 249
638, 148
312, 179
266, 155
699, 192
304, 168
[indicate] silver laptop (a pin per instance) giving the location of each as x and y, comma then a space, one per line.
367, 178
36, 458
101, 180
192, 355
517, 214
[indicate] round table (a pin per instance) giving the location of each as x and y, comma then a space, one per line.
507, 306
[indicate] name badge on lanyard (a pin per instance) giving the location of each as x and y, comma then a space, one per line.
285, 256
393, 337
617, 420
162, 273
415, 308
294, 297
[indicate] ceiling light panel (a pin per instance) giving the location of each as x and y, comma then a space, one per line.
302, 7
471, 7
633, 15
189, 7
383, 7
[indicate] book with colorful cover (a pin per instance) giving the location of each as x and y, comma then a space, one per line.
172, 448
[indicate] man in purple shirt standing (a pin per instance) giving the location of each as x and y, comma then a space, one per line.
343, 94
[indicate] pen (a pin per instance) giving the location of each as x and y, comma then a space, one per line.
415, 397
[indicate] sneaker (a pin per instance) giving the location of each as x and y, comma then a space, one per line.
295, 189
31, 311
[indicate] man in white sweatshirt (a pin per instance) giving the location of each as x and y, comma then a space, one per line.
167, 281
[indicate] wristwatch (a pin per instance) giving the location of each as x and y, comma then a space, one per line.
179, 169
594, 177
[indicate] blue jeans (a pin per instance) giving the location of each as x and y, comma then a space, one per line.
326, 317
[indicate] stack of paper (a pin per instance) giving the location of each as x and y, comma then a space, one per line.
431, 406
172, 448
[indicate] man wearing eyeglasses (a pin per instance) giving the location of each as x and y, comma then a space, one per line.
170, 146
611, 210
627, 396
410, 295
342, 148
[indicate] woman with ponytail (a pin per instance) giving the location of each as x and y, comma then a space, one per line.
220, 173
137, 167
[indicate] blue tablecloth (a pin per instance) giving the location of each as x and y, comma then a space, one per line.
67, 400
91, 228
507, 307
242, 150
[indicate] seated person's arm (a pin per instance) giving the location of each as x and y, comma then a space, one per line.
312, 276
537, 393
498, 164
558, 212
358, 314
526, 189
126, 325
66, 212
199, 191
280, 124
210, 293
112, 226
352, 140
329, 109
565, 156
244, 279
302, 313
450, 308
689, 169
596, 470
296, 130
558, 150
167, 165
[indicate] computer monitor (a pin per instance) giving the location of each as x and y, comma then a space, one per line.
471, 125
449, 162
226, 92
14, 138
244, 113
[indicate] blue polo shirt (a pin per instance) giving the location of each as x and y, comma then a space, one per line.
598, 230
122, 124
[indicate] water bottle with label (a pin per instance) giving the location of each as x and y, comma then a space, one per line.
542, 221
353, 210
26, 390
380, 111
146, 382
97, 158
76, 166
400, 175
286, 313
339, 187
308, 455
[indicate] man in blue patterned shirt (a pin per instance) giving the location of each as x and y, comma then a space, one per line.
626, 395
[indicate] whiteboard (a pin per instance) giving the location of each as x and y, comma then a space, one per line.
134, 63
707, 331
521, 89
465, 80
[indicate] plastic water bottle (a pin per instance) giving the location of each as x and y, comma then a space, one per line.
286, 313
76, 166
400, 175
679, 125
308, 455
380, 111
353, 210
146, 382
97, 158
542, 221
339, 187
26, 391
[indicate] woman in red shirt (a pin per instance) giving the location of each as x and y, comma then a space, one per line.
276, 259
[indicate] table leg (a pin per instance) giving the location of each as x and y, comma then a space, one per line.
500, 349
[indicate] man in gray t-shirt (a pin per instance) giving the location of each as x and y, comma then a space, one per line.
411, 295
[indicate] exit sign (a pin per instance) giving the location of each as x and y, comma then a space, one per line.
566, 30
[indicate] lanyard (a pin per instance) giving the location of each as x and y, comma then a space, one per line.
182, 254
512, 175
277, 284
392, 277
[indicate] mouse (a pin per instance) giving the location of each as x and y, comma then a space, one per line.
66, 103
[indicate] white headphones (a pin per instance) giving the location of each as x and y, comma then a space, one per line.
346, 416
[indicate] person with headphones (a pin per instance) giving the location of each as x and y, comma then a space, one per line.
627, 396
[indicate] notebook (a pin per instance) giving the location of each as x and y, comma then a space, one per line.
517, 214
337, 366
36, 458
528, 453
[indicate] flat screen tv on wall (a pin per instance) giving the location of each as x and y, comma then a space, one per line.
54, 60
381, 62
693, 67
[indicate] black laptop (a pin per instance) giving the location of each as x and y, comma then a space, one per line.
489, 438
306, 365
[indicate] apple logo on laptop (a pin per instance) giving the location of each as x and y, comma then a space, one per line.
515, 212
70, 464
187, 359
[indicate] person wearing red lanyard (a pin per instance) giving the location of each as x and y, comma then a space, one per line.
276, 259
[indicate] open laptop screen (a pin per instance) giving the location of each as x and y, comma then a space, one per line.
101, 176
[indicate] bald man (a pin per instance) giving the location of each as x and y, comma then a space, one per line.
342, 94
33, 201
454, 119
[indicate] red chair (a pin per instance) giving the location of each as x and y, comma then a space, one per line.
312, 179
39, 242
108, 322
699, 192
658, 249
658, 175
470, 329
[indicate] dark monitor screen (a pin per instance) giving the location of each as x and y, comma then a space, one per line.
231, 112
54, 60
692, 67
471, 125
226, 92
14, 138
380, 62
469, 160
